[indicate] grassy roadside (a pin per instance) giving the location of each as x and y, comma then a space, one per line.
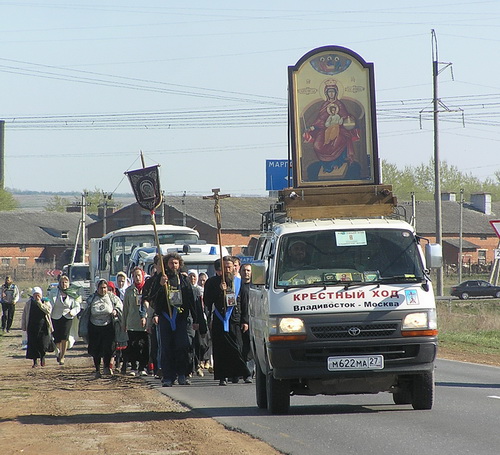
469, 330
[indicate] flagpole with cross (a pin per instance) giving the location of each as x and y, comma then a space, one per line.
217, 197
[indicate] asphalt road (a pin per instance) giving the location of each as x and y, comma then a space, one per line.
464, 420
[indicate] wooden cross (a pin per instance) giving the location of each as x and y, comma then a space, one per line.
217, 197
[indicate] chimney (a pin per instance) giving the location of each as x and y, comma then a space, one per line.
481, 202
449, 197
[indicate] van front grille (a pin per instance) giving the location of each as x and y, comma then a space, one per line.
354, 331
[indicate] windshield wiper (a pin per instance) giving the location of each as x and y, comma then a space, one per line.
399, 279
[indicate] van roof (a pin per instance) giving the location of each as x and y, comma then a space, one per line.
340, 223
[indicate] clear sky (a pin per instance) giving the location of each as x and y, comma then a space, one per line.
201, 86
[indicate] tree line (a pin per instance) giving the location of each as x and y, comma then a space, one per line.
57, 203
417, 180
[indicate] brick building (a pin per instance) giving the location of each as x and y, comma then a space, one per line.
241, 218
40, 239
479, 240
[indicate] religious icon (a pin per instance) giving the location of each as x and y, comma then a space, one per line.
333, 119
146, 185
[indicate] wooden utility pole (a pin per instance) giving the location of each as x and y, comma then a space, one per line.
81, 227
437, 171
461, 235
2, 154
105, 204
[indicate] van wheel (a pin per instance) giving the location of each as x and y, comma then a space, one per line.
402, 396
260, 387
423, 391
278, 395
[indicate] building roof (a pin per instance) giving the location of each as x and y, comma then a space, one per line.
39, 228
474, 222
466, 245
245, 214
237, 213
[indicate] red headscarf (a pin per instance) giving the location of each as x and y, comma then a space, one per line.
112, 288
143, 279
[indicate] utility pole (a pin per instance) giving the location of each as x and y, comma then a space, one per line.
184, 209
106, 197
84, 215
437, 171
2, 154
436, 105
460, 235
413, 220
83, 205
163, 208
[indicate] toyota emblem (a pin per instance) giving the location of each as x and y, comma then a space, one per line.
354, 331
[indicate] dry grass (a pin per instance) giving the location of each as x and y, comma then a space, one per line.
471, 327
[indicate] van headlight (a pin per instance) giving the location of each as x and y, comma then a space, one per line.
423, 323
287, 329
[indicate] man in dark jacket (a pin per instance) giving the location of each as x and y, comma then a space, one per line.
173, 301
9, 296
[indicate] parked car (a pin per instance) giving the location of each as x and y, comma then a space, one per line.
475, 288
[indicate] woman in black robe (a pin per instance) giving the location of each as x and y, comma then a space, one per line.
36, 322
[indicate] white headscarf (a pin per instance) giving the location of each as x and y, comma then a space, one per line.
37, 290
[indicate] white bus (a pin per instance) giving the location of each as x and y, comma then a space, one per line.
200, 257
110, 254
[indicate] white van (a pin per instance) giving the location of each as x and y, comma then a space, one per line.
356, 315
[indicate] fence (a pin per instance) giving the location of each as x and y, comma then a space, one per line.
39, 273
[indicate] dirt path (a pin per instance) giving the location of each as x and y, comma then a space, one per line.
63, 410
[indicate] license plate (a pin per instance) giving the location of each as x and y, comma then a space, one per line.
361, 362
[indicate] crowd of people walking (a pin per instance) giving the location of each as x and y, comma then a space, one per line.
173, 324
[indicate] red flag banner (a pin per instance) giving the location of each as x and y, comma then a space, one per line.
146, 186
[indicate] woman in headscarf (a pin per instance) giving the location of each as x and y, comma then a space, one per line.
65, 301
38, 325
122, 283
104, 308
135, 324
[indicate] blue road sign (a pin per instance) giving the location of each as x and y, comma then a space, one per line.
276, 175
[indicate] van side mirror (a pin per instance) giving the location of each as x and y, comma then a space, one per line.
433, 255
259, 272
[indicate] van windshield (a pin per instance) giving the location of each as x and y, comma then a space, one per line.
79, 273
355, 256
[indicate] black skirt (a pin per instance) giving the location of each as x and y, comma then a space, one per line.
62, 327
101, 340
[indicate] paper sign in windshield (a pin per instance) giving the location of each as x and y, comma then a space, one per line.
350, 238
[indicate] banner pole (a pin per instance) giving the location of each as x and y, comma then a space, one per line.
158, 249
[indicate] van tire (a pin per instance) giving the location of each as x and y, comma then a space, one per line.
403, 396
423, 391
260, 386
278, 395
